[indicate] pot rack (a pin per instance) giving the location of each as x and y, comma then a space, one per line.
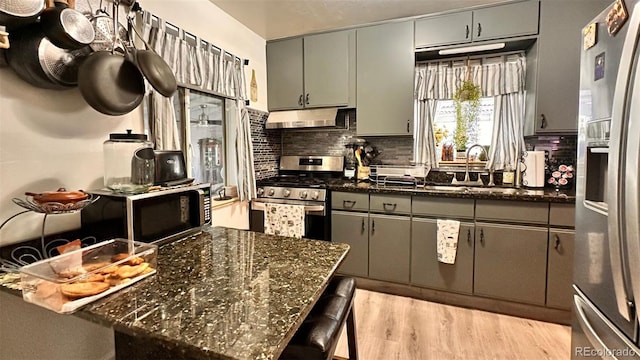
26, 254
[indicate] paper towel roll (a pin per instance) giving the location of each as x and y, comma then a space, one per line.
534, 173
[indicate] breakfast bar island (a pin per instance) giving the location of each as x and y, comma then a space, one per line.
221, 294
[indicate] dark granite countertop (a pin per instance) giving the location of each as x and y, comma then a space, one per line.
490, 193
223, 294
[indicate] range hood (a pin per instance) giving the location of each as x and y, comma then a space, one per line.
310, 118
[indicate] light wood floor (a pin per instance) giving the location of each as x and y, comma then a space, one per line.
395, 327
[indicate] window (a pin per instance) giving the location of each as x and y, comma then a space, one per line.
205, 149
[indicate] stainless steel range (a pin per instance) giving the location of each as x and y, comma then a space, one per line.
302, 181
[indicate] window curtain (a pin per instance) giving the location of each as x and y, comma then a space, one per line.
501, 77
424, 143
200, 65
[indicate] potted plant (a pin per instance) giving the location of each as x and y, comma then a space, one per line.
467, 101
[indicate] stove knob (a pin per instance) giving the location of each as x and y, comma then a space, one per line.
314, 195
286, 192
271, 192
303, 195
260, 191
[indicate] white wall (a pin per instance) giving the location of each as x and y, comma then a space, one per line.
50, 139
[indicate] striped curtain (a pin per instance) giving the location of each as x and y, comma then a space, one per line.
502, 78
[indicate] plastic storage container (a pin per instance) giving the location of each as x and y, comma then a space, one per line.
129, 163
68, 281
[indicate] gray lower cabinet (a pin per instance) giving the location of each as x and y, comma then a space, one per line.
389, 247
427, 271
560, 268
511, 262
384, 80
352, 228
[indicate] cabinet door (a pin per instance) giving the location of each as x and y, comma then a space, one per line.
443, 30
385, 63
284, 74
560, 268
427, 271
558, 82
389, 238
511, 262
352, 229
504, 21
326, 69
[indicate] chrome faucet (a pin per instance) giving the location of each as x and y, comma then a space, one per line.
467, 180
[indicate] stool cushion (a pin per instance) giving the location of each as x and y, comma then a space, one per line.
317, 337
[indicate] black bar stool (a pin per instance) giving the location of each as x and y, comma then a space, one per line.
317, 337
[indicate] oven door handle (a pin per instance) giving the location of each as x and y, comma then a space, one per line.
308, 209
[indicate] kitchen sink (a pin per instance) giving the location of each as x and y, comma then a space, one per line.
483, 190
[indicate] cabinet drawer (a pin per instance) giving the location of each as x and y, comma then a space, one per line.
442, 207
349, 201
391, 204
513, 211
562, 215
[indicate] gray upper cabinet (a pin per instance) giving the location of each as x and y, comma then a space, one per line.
517, 19
496, 22
389, 247
560, 268
284, 74
444, 30
385, 63
427, 271
511, 262
313, 71
557, 78
352, 228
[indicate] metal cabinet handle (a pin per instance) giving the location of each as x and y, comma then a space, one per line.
362, 229
479, 29
306, 101
543, 121
557, 245
466, 36
348, 203
300, 100
373, 227
469, 237
393, 206
482, 237
408, 126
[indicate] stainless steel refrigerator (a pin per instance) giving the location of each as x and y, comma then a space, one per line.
607, 250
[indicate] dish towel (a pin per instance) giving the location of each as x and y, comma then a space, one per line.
284, 220
447, 240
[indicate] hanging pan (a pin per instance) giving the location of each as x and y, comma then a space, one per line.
39, 62
14, 13
65, 26
109, 82
152, 66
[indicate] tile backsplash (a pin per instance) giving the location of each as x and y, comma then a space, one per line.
266, 145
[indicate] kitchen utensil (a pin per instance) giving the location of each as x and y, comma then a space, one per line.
66, 27
359, 156
36, 60
109, 82
102, 24
14, 13
129, 162
60, 196
152, 66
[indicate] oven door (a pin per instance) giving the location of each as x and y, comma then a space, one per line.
316, 221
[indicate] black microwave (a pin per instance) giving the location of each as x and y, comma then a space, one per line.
152, 217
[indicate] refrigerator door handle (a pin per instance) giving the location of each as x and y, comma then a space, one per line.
617, 174
630, 112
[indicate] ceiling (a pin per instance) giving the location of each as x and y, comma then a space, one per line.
274, 19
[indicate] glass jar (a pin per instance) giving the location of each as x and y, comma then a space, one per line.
129, 163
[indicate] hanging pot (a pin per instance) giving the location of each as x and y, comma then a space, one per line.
65, 26
152, 66
15, 13
109, 82
36, 60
